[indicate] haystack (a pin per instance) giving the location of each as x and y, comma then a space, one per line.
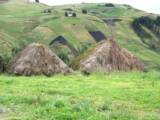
37, 59
109, 56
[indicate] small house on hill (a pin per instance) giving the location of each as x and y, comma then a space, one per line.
70, 14
47, 11
37, 1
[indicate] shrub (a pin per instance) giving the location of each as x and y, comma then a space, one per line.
64, 57
49, 11
84, 47
59, 104
4, 60
74, 15
66, 14
2, 65
109, 5
84, 11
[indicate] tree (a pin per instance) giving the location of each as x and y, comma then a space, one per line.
49, 11
74, 15
37, 1
84, 11
66, 14
109, 5
158, 21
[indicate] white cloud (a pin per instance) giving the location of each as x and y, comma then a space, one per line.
147, 5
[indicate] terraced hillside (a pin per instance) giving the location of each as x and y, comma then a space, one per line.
22, 23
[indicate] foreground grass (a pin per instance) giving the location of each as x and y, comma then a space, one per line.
116, 96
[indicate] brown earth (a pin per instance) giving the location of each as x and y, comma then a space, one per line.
37, 59
109, 56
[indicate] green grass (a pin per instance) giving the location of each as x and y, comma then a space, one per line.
22, 23
115, 96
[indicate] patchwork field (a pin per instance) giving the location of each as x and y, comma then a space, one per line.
22, 23
115, 96
110, 96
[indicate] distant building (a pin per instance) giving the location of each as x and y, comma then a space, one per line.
47, 11
70, 14
37, 1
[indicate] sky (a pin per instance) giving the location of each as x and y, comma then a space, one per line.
152, 6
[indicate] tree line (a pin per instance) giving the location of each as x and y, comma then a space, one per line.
153, 24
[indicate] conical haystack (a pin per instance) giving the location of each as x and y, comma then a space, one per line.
37, 59
109, 56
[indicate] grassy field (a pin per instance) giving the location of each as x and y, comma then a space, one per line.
115, 96
22, 23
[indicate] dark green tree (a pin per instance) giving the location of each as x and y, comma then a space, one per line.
84, 11
37, 1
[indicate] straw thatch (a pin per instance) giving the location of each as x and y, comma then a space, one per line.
109, 56
37, 59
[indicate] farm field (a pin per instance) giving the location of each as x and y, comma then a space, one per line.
72, 40
23, 23
114, 96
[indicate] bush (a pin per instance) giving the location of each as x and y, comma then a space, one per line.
84, 47
109, 5
84, 11
66, 14
74, 15
151, 24
4, 60
2, 65
49, 11
64, 56
59, 104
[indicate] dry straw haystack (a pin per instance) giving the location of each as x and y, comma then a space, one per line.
109, 56
37, 59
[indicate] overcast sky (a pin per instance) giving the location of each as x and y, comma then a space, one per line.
146, 5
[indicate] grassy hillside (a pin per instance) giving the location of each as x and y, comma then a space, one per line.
117, 96
111, 96
22, 23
